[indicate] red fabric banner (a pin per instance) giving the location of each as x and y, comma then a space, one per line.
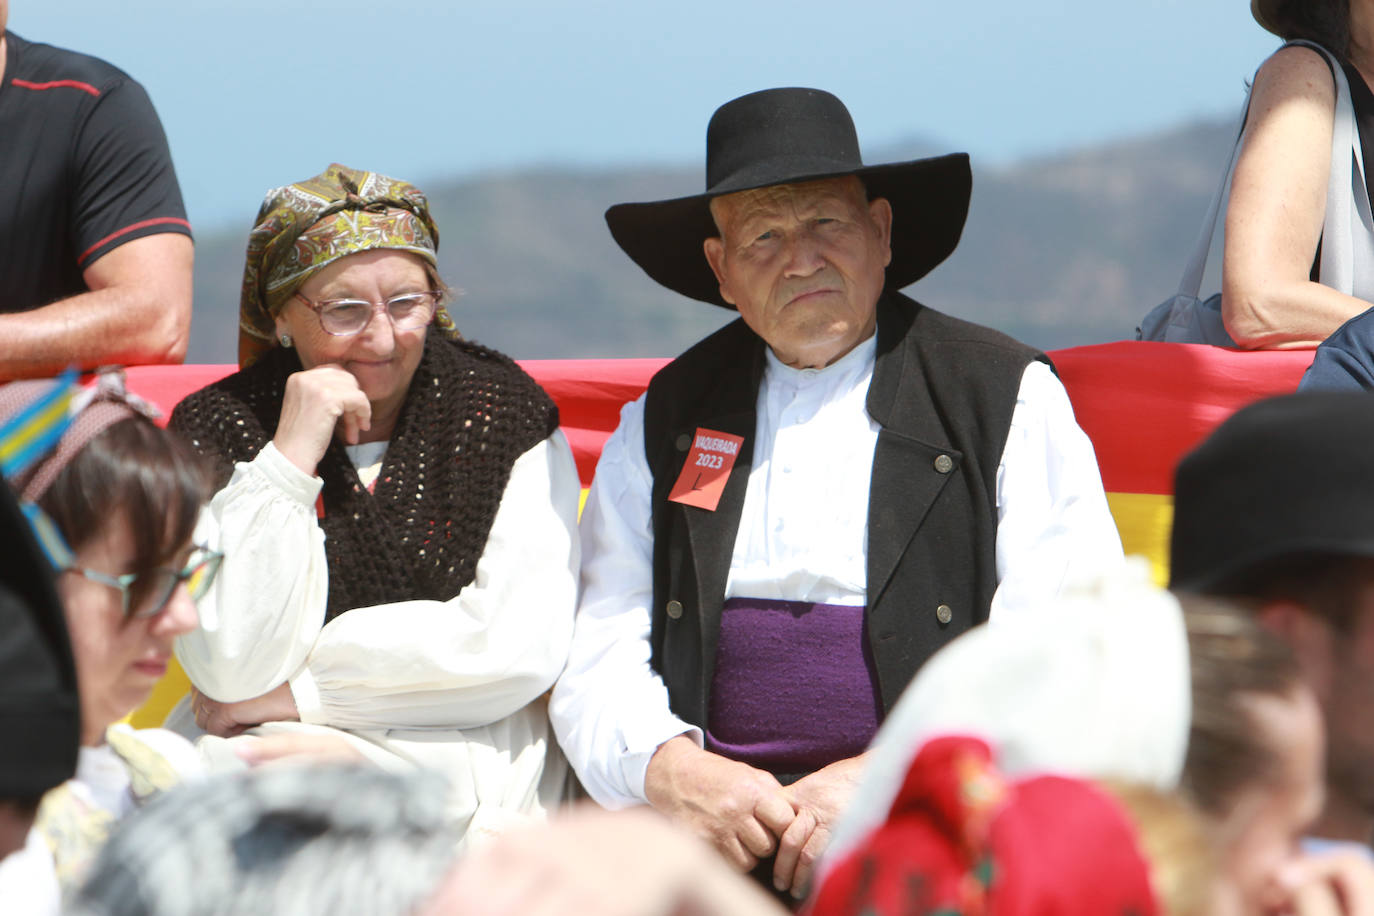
1143, 404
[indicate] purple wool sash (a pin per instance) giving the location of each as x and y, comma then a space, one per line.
795, 686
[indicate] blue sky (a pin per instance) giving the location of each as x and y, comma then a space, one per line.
256, 93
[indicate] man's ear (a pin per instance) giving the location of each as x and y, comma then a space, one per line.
1309, 636
715, 256
880, 211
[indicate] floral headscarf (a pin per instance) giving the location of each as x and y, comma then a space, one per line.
303, 227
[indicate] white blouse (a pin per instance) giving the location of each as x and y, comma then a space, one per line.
413, 678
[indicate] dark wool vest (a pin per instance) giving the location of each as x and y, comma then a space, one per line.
943, 391
468, 414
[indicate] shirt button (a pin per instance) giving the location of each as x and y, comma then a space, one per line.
674, 609
683, 441
942, 613
944, 464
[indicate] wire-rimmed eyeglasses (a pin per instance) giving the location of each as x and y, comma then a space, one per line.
346, 317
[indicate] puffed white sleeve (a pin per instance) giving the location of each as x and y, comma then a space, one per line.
264, 610
483, 654
1054, 525
610, 708
475, 658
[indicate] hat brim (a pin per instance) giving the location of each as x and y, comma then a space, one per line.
929, 198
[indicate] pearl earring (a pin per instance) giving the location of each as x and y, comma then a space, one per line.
285, 340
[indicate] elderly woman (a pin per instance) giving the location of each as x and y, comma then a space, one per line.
1272, 295
114, 500
397, 507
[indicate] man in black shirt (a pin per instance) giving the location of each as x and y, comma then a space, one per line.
95, 249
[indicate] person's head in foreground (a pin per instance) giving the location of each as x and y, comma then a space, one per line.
117, 500
799, 235
282, 839
1275, 511
960, 838
38, 698
1134, 685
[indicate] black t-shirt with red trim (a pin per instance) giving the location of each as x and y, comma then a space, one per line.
84, 168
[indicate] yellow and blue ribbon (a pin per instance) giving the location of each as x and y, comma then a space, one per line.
33, 432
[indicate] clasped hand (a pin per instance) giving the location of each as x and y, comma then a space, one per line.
745, 813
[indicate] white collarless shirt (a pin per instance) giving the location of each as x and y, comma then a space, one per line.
799, 537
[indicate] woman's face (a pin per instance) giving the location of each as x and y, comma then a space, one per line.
117, 661
1263, 832
381, 358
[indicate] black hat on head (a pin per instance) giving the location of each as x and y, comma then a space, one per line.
39, 709
787, 136
1285, 476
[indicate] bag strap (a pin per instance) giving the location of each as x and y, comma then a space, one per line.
1347, 231
1342, 258
1191, 283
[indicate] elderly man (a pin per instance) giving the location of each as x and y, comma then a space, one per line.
1275, 510
809, 502
95, 249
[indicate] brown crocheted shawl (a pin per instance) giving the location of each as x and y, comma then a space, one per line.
469, 414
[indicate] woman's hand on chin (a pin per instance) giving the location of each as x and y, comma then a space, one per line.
317, 402
229, 719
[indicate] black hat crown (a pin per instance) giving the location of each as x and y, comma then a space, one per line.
760, 137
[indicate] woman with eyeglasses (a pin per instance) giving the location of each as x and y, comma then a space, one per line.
113, 500
397, 509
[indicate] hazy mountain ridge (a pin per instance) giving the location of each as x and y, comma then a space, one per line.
1058, 251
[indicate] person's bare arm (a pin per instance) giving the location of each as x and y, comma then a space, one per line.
738, 809
138, 311
1276, 208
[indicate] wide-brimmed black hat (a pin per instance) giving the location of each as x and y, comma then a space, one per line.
785, 136
1285, 477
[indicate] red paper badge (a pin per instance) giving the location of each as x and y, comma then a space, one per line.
708, 467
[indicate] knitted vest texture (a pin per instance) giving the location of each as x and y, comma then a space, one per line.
469, 414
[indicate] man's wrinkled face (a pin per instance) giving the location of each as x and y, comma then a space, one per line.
804, 264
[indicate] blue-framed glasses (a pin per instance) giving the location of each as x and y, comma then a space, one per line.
142, 594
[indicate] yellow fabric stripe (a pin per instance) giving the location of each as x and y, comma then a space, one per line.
1144, 521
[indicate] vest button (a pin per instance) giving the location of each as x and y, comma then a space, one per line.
944, 464
944, 614
684, 442
674, 609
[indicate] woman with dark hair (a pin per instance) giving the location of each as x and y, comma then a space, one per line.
1272, 293
397, 509
113, 501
